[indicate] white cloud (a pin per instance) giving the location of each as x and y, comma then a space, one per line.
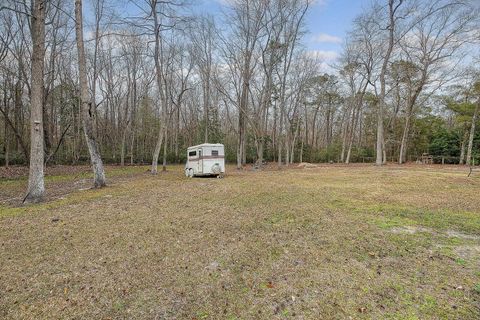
326, 68
324, 55
326, 59
326, 38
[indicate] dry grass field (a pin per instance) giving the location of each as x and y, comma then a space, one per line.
332, 242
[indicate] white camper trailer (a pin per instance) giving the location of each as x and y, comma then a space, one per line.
205, 160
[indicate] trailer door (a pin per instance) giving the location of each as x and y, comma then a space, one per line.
200, 161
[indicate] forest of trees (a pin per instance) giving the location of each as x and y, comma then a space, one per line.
139, 81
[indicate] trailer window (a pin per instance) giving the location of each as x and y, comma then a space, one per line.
192, 153
214, 152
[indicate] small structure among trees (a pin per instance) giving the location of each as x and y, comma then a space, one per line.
426, 159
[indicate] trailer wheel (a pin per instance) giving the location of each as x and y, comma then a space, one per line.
190, 173
216, 169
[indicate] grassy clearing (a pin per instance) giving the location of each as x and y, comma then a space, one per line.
331, 242
60, 181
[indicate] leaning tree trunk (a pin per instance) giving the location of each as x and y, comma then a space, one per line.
36, 186
472, 135
87, 108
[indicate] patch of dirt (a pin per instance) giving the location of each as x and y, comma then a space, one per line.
306, 165
456, 234
448, 233
410, 229
468, 252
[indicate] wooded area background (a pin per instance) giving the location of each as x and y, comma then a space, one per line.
160, 78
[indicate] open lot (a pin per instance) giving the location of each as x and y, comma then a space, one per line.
332, 242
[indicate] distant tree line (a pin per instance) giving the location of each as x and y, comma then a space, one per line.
139, 81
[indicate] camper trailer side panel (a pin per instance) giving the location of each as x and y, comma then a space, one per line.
213, 155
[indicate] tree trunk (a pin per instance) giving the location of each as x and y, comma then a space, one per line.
132, 147
351, 138
462, 148
176, 132
259, 136
5, 129
164, 162
380, 137
206, 106
158, 71
87, 108
156, 153
287, 151
328, 128
384, 152
294, 142
122, 148
18, 117
380, 159
36, 186
260, 152
301, 148
472, 135
241, 127
133, 119
280, 139
5, 123
274, 128
403, 146
344, 140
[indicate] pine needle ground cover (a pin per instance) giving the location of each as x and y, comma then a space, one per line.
332, 242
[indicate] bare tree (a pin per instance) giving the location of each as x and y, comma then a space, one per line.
163, 18
361, 57
445, 27
36, 187
87, 107
393, 8
293, 16
203, 33
247, 23
476, 89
